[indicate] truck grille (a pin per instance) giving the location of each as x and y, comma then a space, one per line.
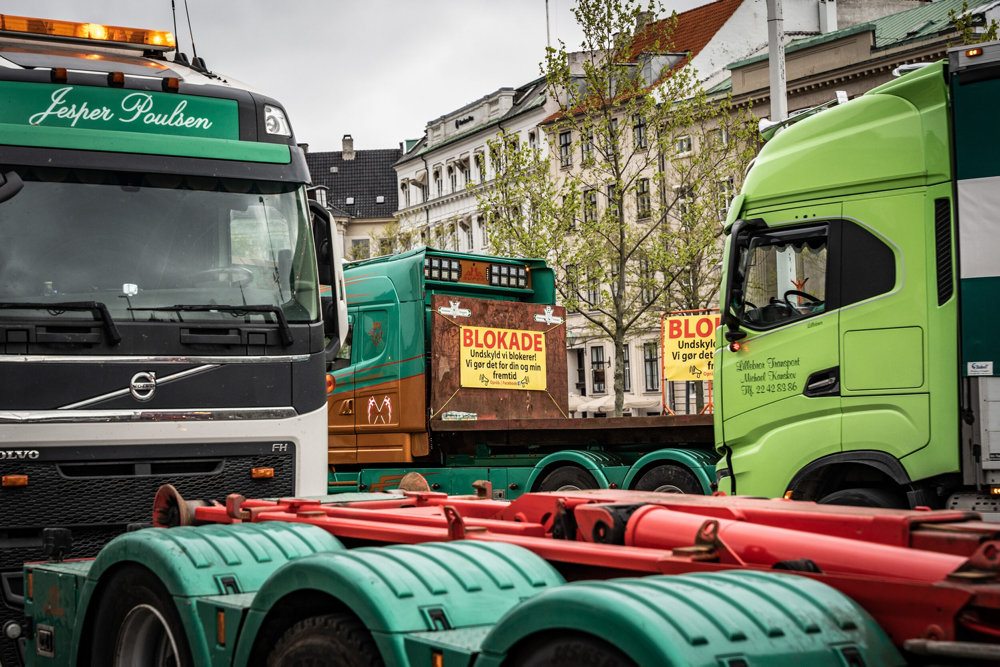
98, 500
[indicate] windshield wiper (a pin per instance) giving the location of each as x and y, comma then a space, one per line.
286, 331
59, 307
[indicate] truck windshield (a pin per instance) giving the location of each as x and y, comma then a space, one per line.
140, 242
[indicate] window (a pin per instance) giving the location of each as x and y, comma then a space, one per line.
626, 368
727, 189
569, 218
782, 273
784, 276
718, 137
646, 278
651, 365
438, 184
466, 173
685, 198
466, 235
614, 200
423, 192
360, 249
587, 147
581, 372
480, 160
597, 369
613, 137
532, 141
483, 236
593, 289
684, 144
453, 178
406, 194
565, 149
642, 203
372, 334
639, 131
590, 206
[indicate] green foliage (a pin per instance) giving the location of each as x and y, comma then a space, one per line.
393, 238
629, 205
966, 24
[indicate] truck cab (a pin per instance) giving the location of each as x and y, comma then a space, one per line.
846, 308
397, 376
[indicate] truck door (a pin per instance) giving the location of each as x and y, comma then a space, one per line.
341, 402
377, 408
781, 405
884, 325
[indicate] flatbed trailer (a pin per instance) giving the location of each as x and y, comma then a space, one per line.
619, 577
457, 372
521, 455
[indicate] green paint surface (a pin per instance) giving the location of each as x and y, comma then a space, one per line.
150, 144
117, 110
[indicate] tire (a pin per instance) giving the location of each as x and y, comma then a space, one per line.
569, 650
333, 640
669, 479
865, 497
568, 478
137, 624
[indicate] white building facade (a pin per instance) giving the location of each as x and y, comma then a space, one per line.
437, 177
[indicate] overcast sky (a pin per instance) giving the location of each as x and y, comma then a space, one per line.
376, 69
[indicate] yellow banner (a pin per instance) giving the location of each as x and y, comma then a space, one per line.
494, 358
689, 347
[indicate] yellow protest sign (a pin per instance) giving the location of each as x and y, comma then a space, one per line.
494, 358
688, 347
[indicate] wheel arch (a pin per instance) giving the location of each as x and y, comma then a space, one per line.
698, 462
829, 473
592, 462
398, 589
683, 619
191, 561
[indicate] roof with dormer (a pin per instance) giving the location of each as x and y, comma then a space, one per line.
687, 32
527, 97
361, 180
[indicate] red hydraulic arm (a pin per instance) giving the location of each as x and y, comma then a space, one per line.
925, 576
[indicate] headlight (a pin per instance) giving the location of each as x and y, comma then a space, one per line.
275, 121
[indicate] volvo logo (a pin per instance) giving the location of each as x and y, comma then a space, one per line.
18, 454
142, 386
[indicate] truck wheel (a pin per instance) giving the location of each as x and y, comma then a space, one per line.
864, 497
333, 640
137, 624
668, 479
570, 649
568, 478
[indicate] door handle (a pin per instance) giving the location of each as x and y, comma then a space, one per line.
823, 383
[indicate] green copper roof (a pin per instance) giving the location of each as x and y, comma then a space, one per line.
890, 31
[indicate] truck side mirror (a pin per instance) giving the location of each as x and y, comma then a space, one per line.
322, 233
329, 264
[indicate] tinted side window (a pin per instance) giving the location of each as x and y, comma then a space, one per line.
869, 266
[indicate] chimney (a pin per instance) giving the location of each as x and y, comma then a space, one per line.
348, 143
642, 19
827, 16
